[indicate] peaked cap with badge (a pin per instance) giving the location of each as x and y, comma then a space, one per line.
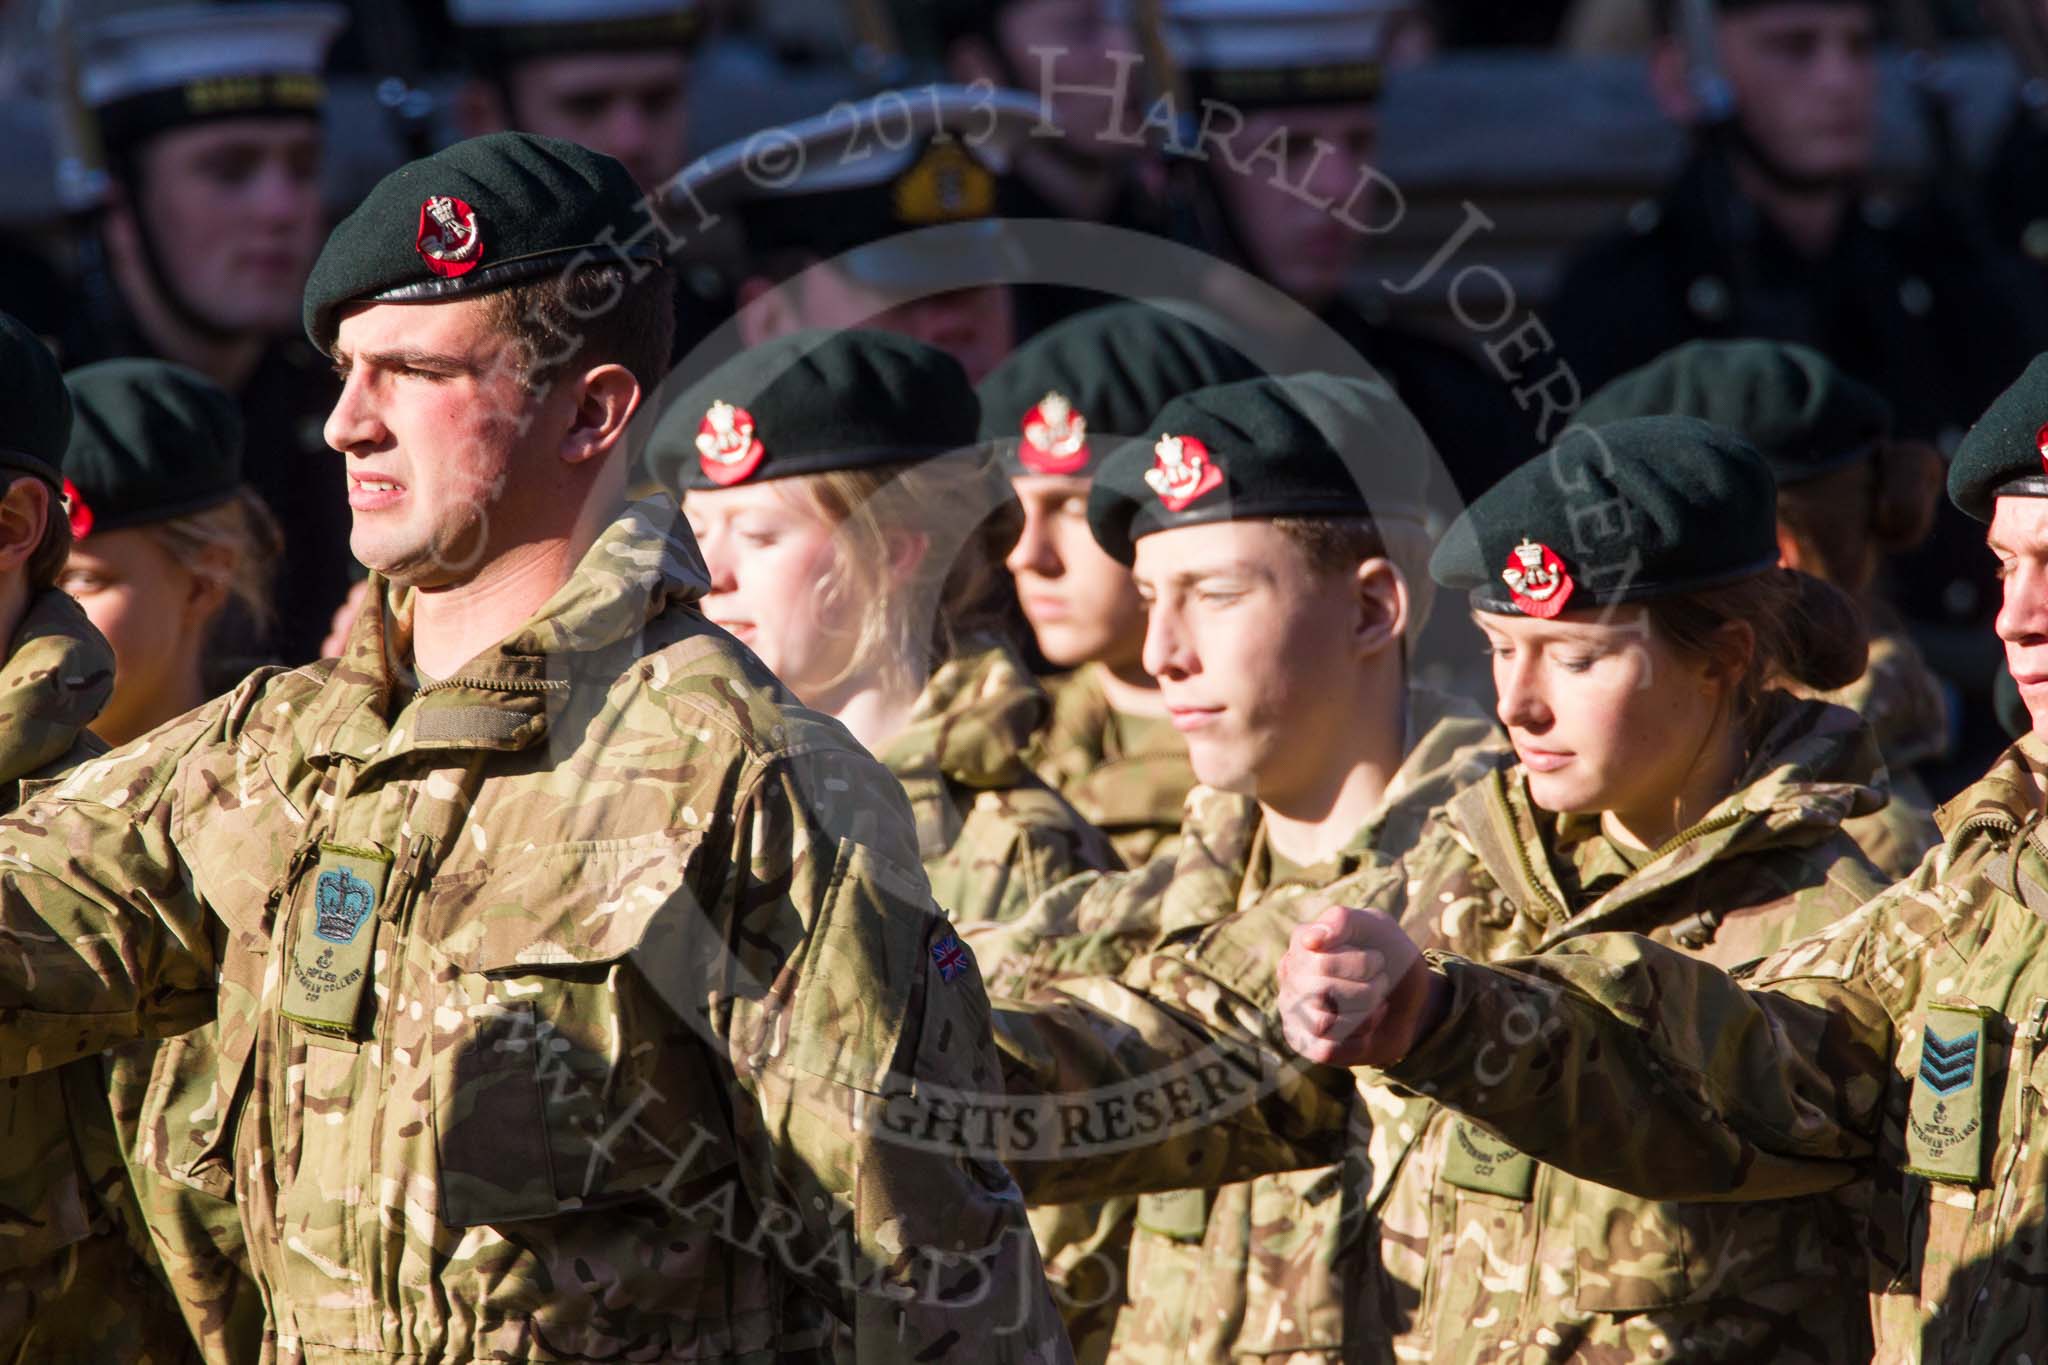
496, 33
35, 407
1802, 413
1066, 397
1309, 445
2006, 453
1645, 508
844, 183
151, 441
814, 402
480, 216
1253, 54
146, 71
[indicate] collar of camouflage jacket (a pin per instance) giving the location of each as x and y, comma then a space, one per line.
1451, 742
972, 725
2006, 807
1816, 766
57, 676
590, 630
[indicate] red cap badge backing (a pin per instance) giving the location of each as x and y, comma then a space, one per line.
1181, 471
1055, 437
77, 510
2041, 444
451, 241
726, 445
1537, 580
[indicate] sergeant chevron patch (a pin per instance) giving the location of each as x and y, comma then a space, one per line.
1947, 1065
1945, 1125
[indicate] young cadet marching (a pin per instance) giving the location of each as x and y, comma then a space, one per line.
153, 442
1268, 531
555, 952
1900, 1046
1848, 493
77, 1279
837, 490
1054, 411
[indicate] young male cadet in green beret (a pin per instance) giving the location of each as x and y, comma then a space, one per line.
556, 954
1848, 492
150, 441
1054, 411
1903, 1044
77, 1278
1268, 525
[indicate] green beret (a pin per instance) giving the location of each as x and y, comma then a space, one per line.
1311, 445
1803, 415
2006, 453
1103, 373
813, 402
152, 441
1650, 507
476, 217
35, 407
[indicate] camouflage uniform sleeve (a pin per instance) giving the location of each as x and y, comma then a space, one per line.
871, 1039
107, 938
1170, 1075
1639, 1067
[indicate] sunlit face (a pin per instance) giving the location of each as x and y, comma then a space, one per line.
443, 476
233, 209
2019, 537
1805, 78
1604, 716
144, 601
1253, 654
1077, 43
977, 327
1083, 606
1284, 208
769, 551
628, 105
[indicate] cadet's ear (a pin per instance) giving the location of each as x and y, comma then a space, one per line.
1791, 554
1383, 606
767, 310
25, 510
605, 403
1668, 83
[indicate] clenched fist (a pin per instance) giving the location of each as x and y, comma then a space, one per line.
1354, 990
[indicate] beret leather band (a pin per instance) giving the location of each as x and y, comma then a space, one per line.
504, 274
2025, 486
29, 464
1588, 593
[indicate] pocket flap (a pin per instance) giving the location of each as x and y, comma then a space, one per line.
557, 906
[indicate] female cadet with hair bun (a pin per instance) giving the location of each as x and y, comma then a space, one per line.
1669, 782
1850, 495
843, 503
167, 539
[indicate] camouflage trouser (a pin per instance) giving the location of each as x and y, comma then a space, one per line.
1086, 1249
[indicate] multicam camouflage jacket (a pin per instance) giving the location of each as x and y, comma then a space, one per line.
1900, 699
993, 835
1490, 1256
1128, 774
77, 1280
1902, 1046
562, 1003
1215, 1274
